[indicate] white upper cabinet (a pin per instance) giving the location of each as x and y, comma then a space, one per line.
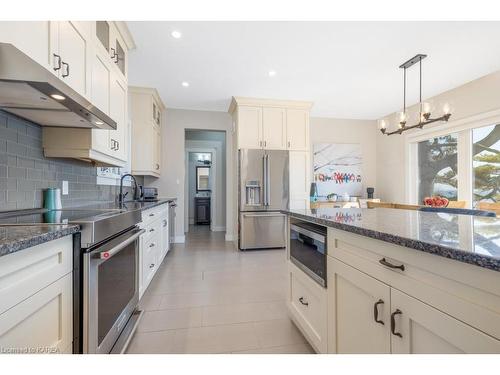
297, 129
37, 39
146, 113
62, 47
271, 124
274, 128
250, 127
74, 53
87, 59
118, 112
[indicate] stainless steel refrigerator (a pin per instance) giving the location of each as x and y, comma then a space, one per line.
263, 192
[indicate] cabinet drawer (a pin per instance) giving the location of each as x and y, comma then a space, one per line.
149, 259
308, 307
151, 214
25, 272
152, 228
42, 323
469, 293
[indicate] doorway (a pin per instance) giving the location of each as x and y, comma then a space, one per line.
205, 181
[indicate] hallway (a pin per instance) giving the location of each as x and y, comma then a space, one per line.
209, 298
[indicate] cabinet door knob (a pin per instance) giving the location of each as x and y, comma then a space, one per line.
157, 166
67, 69
302, 301
152, 245
151, 215
151, 265
375, 311
393, 323
151, 230
57, 59
384, 262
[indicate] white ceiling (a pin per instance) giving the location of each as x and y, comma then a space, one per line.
348, 69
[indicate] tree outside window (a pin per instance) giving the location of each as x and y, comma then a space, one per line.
486, 163
438, 167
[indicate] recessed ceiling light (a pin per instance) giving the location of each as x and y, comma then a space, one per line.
58, 97
176, 34
185, 84
271, 73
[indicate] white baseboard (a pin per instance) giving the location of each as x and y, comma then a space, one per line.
180, 239
218, 229
230, 237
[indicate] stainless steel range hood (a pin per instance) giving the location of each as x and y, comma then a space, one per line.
30, 91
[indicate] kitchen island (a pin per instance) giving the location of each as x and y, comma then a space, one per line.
400, 281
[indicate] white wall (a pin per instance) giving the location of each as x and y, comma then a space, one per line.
329, 130
171, 182
471, 99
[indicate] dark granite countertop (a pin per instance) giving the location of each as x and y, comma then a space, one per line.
14, 236
19, 237
465, 238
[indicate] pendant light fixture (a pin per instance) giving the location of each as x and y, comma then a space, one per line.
424, 108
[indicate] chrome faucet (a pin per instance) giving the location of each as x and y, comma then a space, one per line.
122, 196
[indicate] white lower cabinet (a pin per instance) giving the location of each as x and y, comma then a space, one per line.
42, 323
307, 303
36, 299
366, 315
426, 330
359, 311
153, 244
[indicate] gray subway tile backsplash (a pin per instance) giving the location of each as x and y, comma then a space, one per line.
25, 172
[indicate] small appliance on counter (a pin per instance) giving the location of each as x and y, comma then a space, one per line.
149, 193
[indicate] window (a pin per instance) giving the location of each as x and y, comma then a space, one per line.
438, 167
486, 164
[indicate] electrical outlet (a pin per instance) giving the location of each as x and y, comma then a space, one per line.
65, 189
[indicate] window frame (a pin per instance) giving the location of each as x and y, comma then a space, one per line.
463, 128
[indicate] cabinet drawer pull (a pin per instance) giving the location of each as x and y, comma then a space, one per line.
58, 58
67, 69
393, 323
265, 143
288, 144
151, 215
151, 265
152, 230
152, 245
305, 303
375, 311
390, 265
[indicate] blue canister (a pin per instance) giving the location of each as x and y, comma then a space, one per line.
52, 199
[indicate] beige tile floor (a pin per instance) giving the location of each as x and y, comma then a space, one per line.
209, 298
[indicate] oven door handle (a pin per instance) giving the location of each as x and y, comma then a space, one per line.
106, 254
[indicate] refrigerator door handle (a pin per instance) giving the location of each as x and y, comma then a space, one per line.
264, 181
268, 180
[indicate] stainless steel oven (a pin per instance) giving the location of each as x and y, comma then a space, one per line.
308, 249
111, 292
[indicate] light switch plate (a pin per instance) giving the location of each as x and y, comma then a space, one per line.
65, 188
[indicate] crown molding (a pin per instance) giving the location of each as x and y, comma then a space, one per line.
265, 102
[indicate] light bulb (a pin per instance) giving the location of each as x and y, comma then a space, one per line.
446, 108
403, 116
382, 124
426, 107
